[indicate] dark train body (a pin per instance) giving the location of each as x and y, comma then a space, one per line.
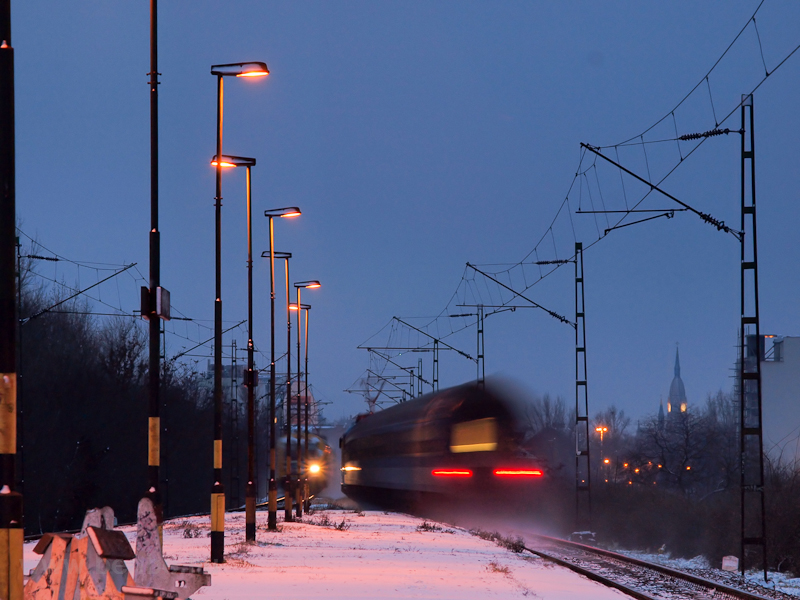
320, 464
460, 443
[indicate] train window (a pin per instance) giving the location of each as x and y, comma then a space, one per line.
474, 436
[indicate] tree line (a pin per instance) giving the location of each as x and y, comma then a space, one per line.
83, 415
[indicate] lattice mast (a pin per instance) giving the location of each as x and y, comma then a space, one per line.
753, 516
583, 498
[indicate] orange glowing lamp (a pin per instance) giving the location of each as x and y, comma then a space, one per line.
233, 161
243, 69
286, 211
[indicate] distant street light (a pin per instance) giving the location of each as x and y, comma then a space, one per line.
246, 69
250, 380
272, 504
306, 467
602, 429
298, 286
273, 408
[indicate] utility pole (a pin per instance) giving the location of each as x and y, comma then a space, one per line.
753, 516
583, 489
234, 452
154, 364
11, 532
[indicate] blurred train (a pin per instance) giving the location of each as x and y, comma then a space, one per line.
460, 443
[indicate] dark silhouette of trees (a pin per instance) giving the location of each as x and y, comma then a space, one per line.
84, 429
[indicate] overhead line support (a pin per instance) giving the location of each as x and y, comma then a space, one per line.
751, 441
553, 314
583, 490
720, 225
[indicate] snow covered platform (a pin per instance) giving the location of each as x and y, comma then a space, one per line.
350, 554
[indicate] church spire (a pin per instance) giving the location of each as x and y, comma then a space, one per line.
676, 401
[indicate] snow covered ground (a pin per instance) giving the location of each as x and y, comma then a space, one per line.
347, 554
699, 566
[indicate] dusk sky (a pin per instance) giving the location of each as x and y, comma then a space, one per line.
417, 137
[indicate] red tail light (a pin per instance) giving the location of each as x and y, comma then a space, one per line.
451, 473
518, 472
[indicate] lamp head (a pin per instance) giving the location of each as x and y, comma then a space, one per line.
234, 161
308, 284
265, 254
286, 211
293, 306
244, 69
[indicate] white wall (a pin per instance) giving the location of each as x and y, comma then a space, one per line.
780, 393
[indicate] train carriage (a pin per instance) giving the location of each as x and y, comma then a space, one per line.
464, 441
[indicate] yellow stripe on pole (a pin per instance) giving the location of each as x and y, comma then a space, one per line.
154, 442
217, 512
217, 454
8, 413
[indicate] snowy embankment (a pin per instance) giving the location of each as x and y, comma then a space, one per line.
348, 554
699, 566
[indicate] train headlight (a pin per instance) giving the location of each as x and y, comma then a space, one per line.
314, 469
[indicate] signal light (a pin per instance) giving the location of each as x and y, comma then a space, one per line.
451, 473
518, 472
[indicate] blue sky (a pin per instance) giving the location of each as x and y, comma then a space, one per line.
416, 137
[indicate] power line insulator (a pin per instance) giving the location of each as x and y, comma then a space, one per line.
707, 134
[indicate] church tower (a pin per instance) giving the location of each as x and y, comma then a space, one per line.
676, 401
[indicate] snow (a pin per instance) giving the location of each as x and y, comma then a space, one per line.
373, 555
701, 567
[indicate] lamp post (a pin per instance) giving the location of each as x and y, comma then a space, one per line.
272, 519
11, 533
247, 69
298, 286
250, 489
306, 502
272, 505
602, 429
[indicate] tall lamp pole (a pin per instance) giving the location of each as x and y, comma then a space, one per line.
272, 504
250, 379
247, 69
11, 533
602, 429
154, 325
306, 503
300, 489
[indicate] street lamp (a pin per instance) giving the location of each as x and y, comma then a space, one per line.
306, 501
298, 286
250, 489
248, 69
602, 429
273, 409
272, 505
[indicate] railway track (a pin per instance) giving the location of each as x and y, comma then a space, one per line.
637, 578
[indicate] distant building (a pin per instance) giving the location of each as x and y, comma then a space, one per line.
676, 401
780, 395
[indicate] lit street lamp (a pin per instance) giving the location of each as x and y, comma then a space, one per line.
298, 286
306, 501
250, 380
602, 429
272, 505
247, 69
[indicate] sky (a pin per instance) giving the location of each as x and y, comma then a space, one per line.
417, 137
